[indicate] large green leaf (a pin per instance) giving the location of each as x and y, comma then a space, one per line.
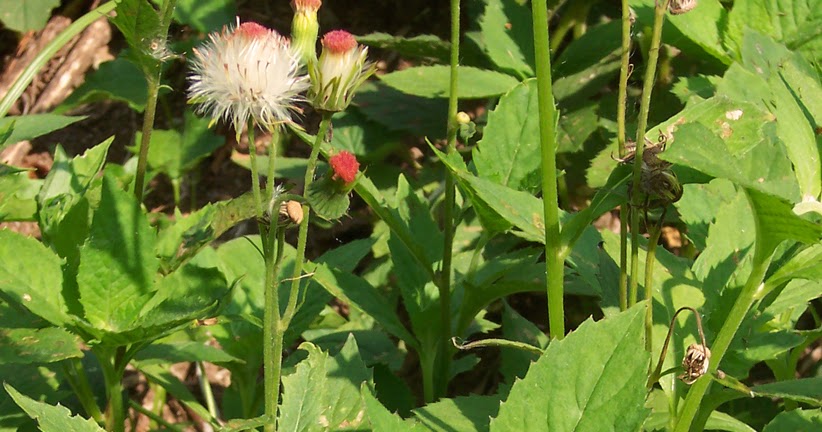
796, 420
399, 111
764, 167
796, 23
205, 16
383, 420
592, 380
22, 16
188, 351
433, 82
52, 418
464, 414
31, 276
507, 36
698, 33
31, 126
47, 345
18, 194
422, 46
509, 152
588, 63
369, 140
117, 262
139, 23
807, 264
514, 362
118, 80
323, 392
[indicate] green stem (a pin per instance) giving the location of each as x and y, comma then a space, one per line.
77, 379
302, 237
623, 257
159, 399
153, 416
726, 334
554, 262
272, 323
445, 350
255, 180
621, 136
642, 124
650, 259
43, 57
205, 389
272, 167
112, 375
153, 78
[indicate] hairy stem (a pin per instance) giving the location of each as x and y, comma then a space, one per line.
642, 124
154, 78
554, 261
302, 237
272, 324
621, 136
113, 376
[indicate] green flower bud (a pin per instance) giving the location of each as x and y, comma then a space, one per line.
305, 28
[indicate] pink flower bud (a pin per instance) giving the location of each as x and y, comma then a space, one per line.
345, 166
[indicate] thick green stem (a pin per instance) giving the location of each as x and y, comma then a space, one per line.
113, 376
272, 324
621, 137
642, 124
302, 237
725, 336
445, 350
554, 261
77, 379
154, 78
43, 57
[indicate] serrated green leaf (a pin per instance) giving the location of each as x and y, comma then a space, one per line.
52, 418
776, 222
764, 167
117, 262
593, 379
465, 413
31, 276
46, 345
346, 373
383, 420
422, 46
792, 22
807, 264
304, 392
118, 80
31, 126
139, 23
690, 89
433, 82
699, 33
509, 152
805, 390
795, 421
23, 16
699, 205
369, 140
507, 36
18, 194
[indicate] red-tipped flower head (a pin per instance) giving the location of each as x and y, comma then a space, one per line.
339, 72
345, 166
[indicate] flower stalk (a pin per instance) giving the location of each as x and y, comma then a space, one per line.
153, 78
554, 262
624, 72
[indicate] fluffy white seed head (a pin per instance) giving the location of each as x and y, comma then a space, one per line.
246, 72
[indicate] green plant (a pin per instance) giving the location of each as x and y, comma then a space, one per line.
413, 297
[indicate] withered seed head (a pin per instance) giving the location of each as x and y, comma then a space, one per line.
696, 362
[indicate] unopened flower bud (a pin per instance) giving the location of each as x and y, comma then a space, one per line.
291, 212
463, 118
345, 167
342, 67
305, 28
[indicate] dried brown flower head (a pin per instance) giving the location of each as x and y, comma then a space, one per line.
696, 362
